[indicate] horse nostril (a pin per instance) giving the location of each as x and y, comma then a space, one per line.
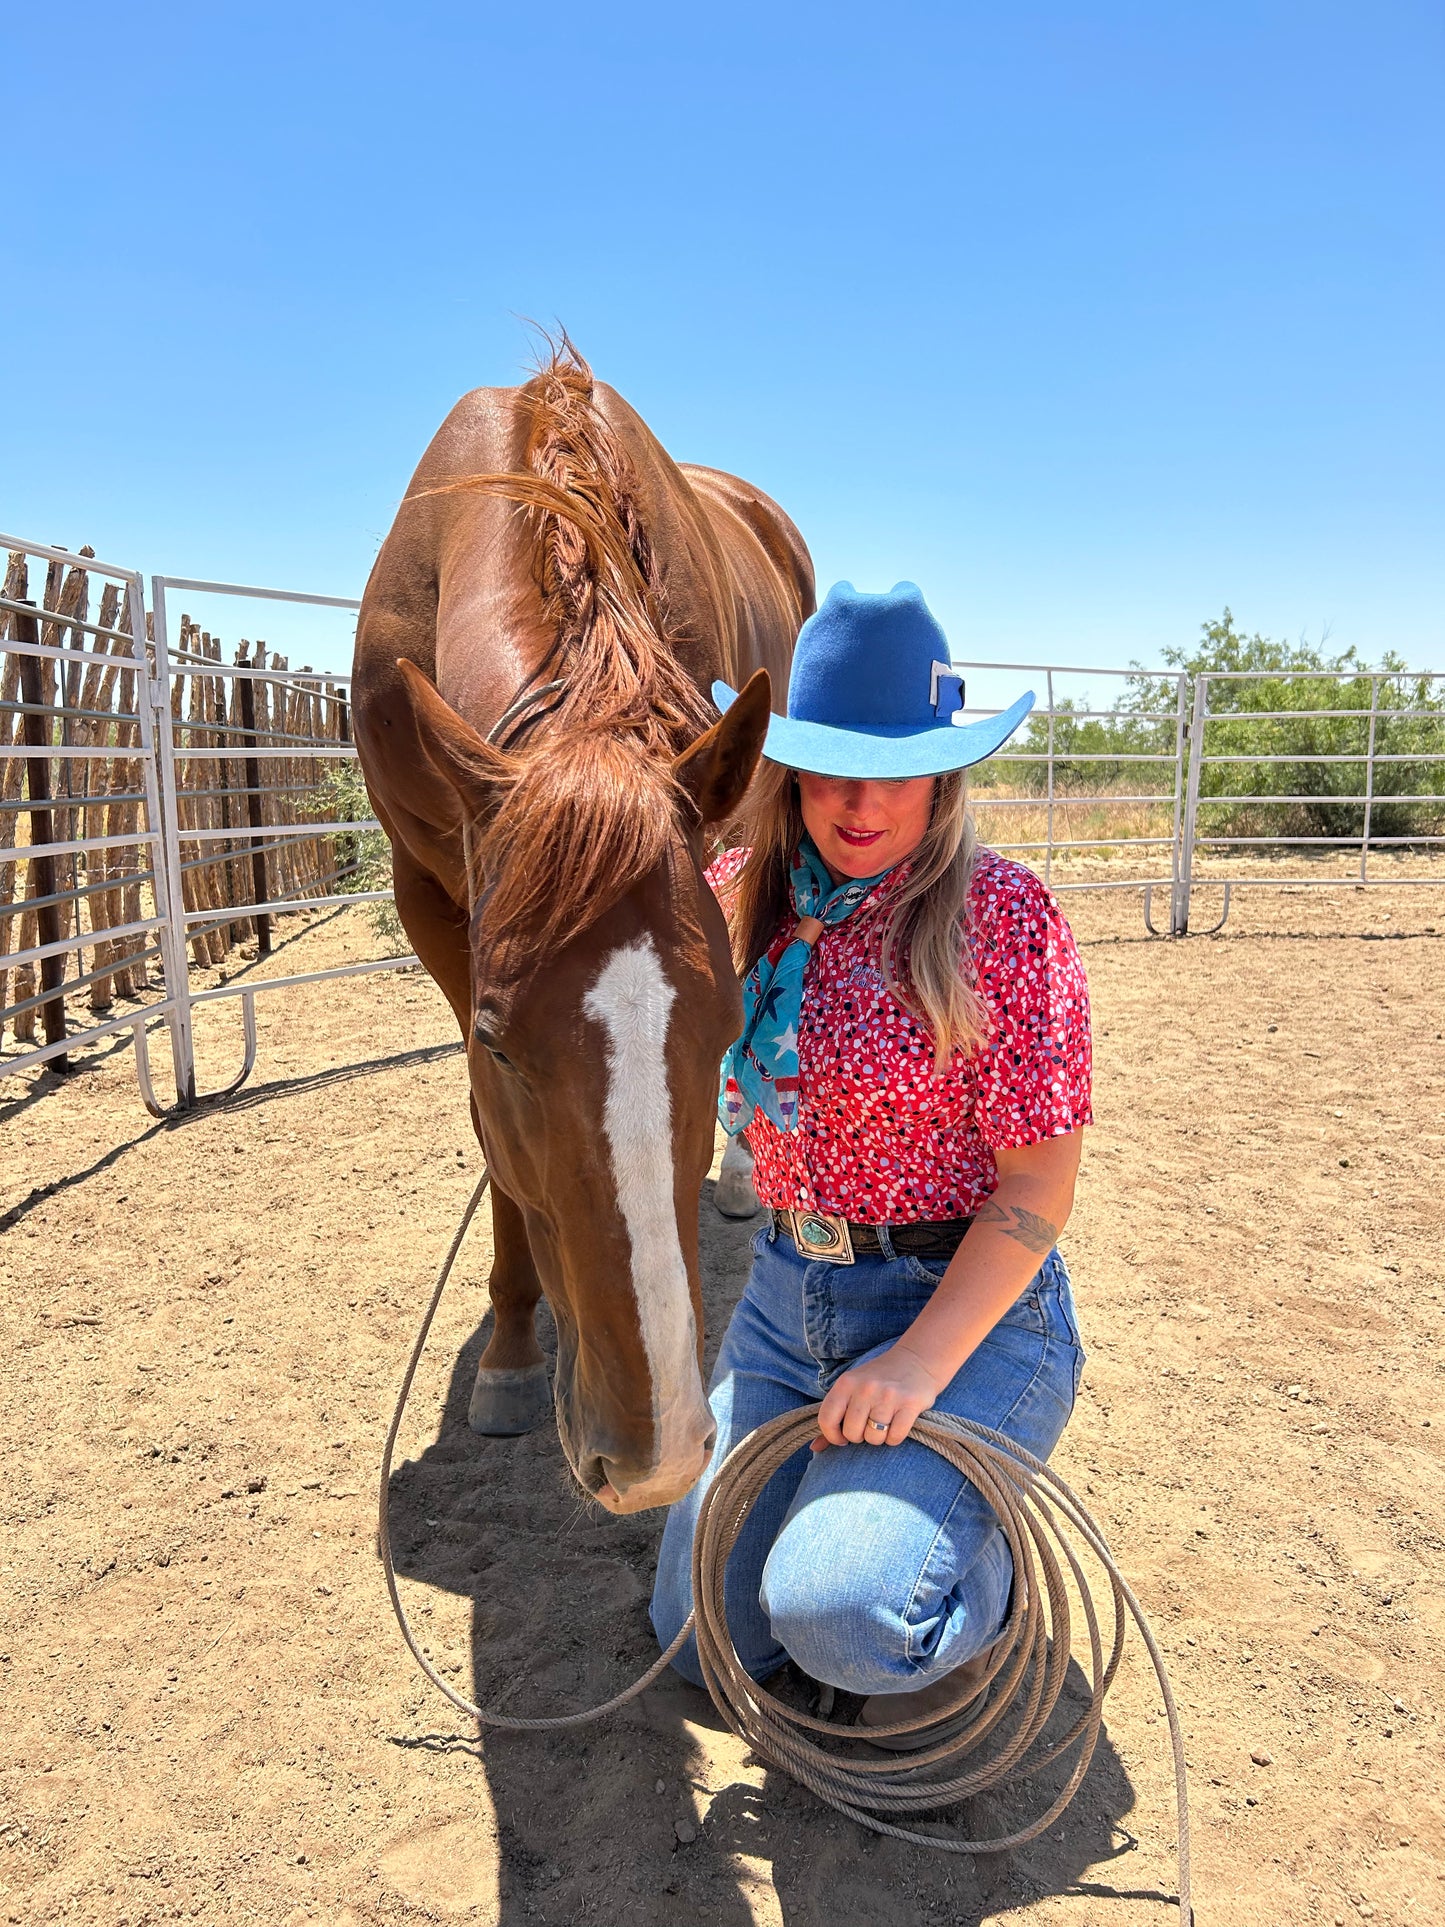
595, 1474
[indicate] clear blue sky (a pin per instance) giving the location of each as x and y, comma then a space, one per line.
1088, 318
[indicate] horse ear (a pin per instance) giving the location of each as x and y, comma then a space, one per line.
718, 767
450, 773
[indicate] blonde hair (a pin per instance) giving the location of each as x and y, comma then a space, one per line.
927, 964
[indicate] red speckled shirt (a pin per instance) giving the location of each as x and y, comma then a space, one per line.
881, 1139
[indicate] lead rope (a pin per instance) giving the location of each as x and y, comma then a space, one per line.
511, 1723
1030, 1663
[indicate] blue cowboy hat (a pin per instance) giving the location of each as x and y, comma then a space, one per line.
873, 693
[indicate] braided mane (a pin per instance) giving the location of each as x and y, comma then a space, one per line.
591, 804
597, 571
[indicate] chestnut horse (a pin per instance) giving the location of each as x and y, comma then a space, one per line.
552, 602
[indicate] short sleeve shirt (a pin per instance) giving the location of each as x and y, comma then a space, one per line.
882, 1139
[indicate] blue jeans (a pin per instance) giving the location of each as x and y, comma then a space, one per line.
876, 1568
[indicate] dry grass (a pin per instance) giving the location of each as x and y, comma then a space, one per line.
1088, 824
1124, 834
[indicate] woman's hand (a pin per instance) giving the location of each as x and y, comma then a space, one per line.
876, 1403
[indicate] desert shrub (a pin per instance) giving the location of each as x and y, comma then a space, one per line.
1268, 753
341, 798
1301, 676
1077, 737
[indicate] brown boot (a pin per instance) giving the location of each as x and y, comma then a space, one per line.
952, 1701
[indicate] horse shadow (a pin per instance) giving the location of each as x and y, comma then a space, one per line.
654, 1814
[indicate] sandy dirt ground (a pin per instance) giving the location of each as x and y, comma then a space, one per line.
207, 1713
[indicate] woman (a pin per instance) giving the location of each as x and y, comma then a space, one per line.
913, 1079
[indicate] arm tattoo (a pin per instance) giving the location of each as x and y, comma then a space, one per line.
1032, 1232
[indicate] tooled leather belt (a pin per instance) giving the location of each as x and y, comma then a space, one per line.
929, 1239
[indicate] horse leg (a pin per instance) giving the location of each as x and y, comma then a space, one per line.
512, 1393
733, 1193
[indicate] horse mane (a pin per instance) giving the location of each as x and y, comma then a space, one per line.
590, 804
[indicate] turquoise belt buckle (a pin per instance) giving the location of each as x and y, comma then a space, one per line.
819, 1234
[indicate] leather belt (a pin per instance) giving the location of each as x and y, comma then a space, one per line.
820, 1234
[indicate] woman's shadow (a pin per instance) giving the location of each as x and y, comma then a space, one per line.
656, 1814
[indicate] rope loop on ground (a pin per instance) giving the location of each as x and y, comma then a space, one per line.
1008, 1739
1012, 1734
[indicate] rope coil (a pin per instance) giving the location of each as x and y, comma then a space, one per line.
1027, 1674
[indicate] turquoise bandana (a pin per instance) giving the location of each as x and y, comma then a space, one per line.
760, 1072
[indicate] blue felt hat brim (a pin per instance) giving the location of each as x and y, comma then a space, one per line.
824, 749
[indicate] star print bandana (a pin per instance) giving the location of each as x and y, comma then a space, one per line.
760, 1072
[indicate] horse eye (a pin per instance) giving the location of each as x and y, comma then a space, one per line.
493, 1049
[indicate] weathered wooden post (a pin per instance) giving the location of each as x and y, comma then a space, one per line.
12, 771
246, 690
36, 735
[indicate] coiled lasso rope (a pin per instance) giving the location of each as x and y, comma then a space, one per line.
1027, 1671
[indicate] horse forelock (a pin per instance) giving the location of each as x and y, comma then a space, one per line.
587, 817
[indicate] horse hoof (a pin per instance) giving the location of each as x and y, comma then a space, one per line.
734, 1195
507, 1402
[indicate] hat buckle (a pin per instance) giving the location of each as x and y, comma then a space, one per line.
945, 692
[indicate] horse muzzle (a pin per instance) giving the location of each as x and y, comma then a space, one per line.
656, 1471
625, 1490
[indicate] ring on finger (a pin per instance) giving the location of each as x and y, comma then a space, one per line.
878, 1424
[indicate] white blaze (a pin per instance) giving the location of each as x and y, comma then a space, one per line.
632, 1001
